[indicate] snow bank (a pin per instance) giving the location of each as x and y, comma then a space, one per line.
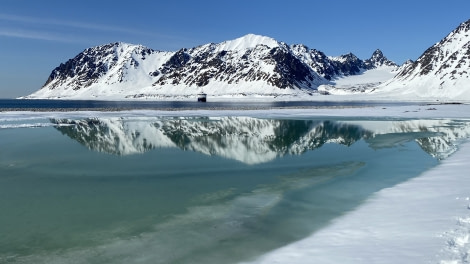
424, 220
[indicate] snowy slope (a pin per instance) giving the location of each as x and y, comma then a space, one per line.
441, 72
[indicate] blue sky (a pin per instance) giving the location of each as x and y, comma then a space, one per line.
36, 36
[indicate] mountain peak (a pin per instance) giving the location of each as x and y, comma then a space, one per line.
118, 44
377, 53
117, 47
465, 27
378, 59
248, 41
346, 57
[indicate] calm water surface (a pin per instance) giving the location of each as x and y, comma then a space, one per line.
195, 189
95, 104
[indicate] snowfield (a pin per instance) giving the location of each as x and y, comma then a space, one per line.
361, 83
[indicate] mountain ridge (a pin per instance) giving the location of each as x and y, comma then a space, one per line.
255, 66
252, 64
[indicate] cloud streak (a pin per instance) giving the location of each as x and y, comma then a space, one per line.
27, 34
56, 30
65, 31
73, 24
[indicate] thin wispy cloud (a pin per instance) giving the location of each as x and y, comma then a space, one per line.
48, 29
87, 33
17, 33
73, 24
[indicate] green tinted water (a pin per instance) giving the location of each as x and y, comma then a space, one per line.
195, 190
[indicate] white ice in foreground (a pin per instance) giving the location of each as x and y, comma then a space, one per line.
424, 220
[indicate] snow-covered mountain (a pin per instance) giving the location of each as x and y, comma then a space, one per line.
113, 61
252, 140
441, 72
255, 66
250, 65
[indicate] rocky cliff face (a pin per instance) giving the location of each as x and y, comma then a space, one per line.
250, 64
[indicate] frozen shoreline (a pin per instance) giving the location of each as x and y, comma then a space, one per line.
428, 221
380, 111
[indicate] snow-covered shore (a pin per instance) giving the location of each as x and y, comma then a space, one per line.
424, 220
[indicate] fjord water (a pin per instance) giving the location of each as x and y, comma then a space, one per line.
195, 190
54, 104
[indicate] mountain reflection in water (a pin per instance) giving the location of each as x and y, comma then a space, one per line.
253, 140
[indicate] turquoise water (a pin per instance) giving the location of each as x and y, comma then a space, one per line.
195, 190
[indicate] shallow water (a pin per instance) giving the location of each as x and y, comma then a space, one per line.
195, 189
